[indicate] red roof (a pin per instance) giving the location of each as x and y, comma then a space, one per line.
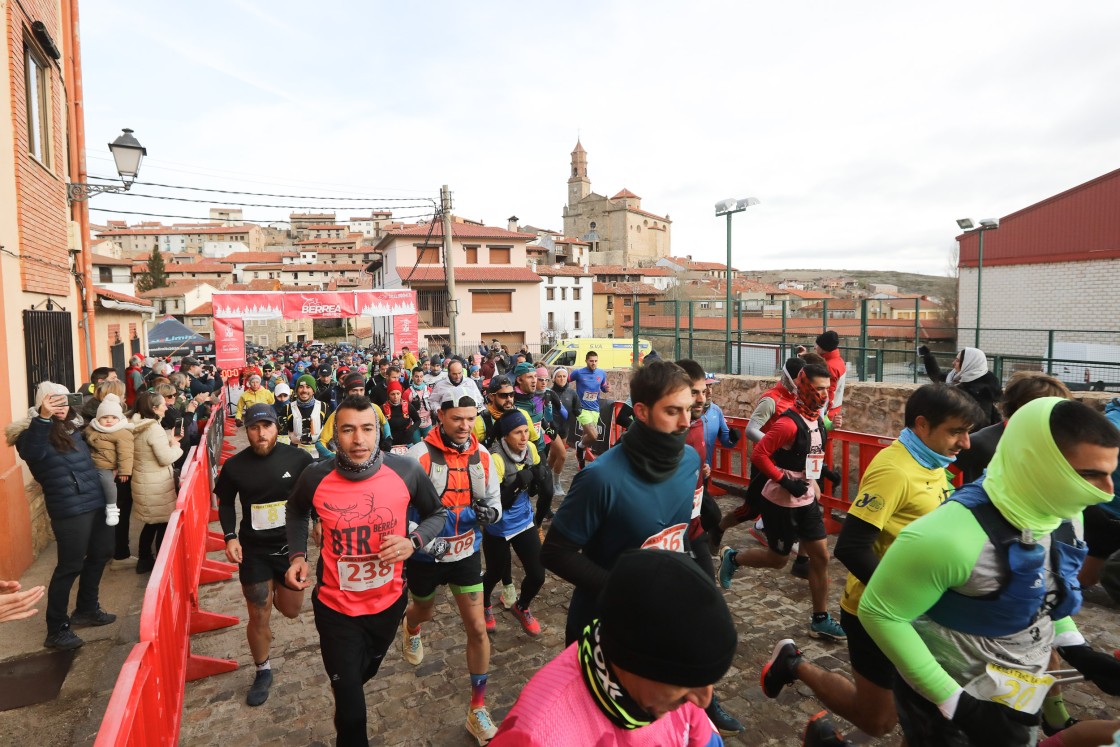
326, 227
316, 267
206, 309
430, 274
181, 229
458, 230
624, 194
804, 294
569, 270
175, 289
251, 257
1080, 224
102, 260
122, 297
176, 268
565, 240
625, 289
900, 329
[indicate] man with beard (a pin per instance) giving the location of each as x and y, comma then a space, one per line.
499, 401
363, 499
308, 416
328, 392
262, 475
455, 378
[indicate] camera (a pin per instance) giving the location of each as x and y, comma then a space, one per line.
74, 400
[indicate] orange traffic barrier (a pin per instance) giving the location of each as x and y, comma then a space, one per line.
147, 701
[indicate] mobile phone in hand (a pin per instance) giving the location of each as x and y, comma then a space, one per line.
74, 399
179, 427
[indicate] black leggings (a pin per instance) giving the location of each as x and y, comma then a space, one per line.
124, 503
499, 563
151, 534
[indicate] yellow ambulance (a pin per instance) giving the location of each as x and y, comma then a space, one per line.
613, 352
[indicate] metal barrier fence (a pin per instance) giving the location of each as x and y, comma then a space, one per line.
875, 347
146, 705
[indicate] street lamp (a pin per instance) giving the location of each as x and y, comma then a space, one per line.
127, 155
729, 207
986, 224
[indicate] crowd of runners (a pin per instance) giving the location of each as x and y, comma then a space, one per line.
413, 472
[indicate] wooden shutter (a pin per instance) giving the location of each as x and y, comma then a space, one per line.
492, 302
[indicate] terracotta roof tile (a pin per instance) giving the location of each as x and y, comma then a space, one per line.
316, 267
123, 297
625, 289
206, 309
569, 270
428, 274
102, 260
624, 194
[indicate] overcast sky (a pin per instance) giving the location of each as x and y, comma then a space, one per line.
864, 128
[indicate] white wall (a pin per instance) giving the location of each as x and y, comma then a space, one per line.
564, 311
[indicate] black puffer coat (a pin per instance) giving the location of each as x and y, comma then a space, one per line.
986, 390
69, 480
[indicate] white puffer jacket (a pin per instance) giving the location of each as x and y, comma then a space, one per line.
153, 481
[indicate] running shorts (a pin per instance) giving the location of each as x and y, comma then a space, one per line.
784, 526
462, 576
866, 656
588, 417
263, 564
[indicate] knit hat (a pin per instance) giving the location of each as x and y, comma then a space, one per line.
542, 372
510, 422
111, 405
828, 340
692, 647
394, 386
282, 388
523, 368
309, 380
353, 381
48, 389
474, 369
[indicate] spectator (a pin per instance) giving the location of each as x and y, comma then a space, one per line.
153, 480
17, 604
134, 382
970, 373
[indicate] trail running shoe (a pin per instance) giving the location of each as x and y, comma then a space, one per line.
726, 724
727, 567
525, 617
480, 724
1050, 731
258, 691
821, 732
828, 629
800, 567
411, 645
781, 670
91, 619
491, 624
509, 596
63, 639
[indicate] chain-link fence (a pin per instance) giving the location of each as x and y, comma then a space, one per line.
879, 342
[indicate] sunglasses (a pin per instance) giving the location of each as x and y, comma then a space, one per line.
503, 395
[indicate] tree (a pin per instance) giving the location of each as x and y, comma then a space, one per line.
156, 276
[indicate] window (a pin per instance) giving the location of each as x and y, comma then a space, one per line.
625, 318
37, 81
575, 294
104, 274
627, 302
551, 320
576, 321
563, 294
427, 255
549, 294
472, 255
499, 256
492, 302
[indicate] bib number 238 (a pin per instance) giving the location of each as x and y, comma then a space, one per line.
363, 572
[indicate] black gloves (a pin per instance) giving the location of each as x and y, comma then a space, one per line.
1098, 667
796, 488
524, 479
923, 350
992, 724
486, 514
733, 436
831, 475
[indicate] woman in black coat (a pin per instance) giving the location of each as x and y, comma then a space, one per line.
970, 373
59, 460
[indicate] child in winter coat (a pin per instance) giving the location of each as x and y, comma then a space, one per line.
110, 443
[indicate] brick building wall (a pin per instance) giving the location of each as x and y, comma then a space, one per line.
1058, 296
40, 188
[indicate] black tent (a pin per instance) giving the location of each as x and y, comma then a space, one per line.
172, 338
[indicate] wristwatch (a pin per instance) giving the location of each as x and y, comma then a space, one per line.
417, 544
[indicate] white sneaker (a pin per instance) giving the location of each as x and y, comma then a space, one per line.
480, 724
509, 596
411, 645
112, 515
122, 564
559, 488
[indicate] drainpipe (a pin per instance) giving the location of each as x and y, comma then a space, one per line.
79, 210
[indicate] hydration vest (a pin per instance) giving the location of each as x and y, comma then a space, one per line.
793, 457
1023, 597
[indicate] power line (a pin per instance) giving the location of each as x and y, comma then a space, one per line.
266, 194
246, 220
257, 204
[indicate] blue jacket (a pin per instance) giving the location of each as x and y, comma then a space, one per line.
70, 483
715, 426
1112, 412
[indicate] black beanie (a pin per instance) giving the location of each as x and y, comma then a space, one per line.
661, 618
793, 367
828, 340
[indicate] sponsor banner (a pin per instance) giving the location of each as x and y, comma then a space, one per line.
229, 338
385, 302
247, 306
405, 334
318, 304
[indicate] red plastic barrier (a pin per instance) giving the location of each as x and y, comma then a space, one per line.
147, 702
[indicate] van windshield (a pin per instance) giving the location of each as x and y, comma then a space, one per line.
550, 356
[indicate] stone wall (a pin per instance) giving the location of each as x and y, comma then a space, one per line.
869, 407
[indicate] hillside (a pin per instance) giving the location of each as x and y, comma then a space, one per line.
907, 282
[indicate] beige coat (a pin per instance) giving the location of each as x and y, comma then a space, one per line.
111, 450
153, 481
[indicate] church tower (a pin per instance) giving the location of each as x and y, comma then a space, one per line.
579, 186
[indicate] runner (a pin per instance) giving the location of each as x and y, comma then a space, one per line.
565, 419
262, 475
903, 482
590, 383
971, 597
499, 400
403, 421
467, 484
792, 455
627, 682
520, 474
308, 415
354, 387
362, 498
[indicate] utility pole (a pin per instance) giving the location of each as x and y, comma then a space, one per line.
449, 264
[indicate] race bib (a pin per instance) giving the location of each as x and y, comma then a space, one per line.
399, 449
363, 573
267, 515
697, 499
462, 546
813, 465
590, 396
425, 418
1014, 688
669, 538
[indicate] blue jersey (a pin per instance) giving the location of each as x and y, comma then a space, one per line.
588, 386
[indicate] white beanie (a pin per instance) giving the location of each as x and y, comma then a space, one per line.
48, 389
282, 388
111, 405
